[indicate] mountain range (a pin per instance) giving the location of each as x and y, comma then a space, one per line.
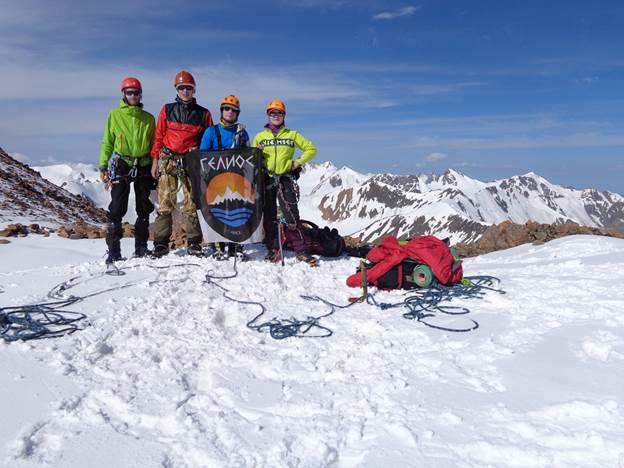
369, 206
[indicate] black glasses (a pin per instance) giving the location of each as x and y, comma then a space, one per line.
132, 92
276, 114
185, 88
228, 108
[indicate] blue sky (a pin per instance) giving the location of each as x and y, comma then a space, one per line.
489, 88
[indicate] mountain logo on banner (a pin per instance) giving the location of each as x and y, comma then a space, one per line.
231, 198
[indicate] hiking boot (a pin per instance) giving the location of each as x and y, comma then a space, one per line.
309, 259
242, 256
219, 255
273, 256
195, 250
236, 251
142, 251
160, 250
113, 257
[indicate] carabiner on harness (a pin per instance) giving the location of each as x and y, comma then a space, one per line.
134, 170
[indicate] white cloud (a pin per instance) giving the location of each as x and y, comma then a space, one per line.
590, 80
30, 81
574, 140
435, 157
433, 89
430, 158
509, 125
391, 15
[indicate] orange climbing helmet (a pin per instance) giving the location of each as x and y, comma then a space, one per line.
184, 78
131, 82
231, 101
276, 104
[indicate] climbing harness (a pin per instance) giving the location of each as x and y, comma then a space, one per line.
179, 170
113, 167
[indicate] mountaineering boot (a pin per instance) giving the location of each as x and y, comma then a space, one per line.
236, 251
195, 250
160, 250
142, 251
113, 236
309, 259
113, 256
218, 253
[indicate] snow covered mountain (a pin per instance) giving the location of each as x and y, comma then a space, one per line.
229, 196
453, 205
79, 179
370, 206
26, 197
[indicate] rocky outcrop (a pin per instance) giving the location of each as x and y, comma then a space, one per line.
25, 195
507, 234
21, 230
504, 236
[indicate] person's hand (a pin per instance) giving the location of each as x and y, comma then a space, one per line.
295, 170
154, 170
192, 149
105, 178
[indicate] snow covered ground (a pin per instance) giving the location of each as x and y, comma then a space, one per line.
168, 375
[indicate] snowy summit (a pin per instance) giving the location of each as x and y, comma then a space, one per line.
166, 372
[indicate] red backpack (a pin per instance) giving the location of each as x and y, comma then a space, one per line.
389, 256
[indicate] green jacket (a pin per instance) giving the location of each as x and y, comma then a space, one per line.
279, 150
129, 132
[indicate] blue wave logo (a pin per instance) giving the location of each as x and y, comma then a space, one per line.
233, 218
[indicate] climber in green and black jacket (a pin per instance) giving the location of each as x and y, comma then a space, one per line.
124, 160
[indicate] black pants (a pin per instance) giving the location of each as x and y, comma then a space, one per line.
120, 191
286, 192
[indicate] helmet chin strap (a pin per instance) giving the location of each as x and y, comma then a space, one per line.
227, 122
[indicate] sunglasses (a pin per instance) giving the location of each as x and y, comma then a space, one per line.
132, 93
185, 88
227, 108
276, 114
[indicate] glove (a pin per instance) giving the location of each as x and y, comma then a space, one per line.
105, 178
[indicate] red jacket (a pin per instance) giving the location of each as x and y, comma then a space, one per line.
424, 249
180, 127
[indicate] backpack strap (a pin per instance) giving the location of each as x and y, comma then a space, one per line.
218, 135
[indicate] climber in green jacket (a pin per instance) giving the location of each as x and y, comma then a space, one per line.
124, 160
